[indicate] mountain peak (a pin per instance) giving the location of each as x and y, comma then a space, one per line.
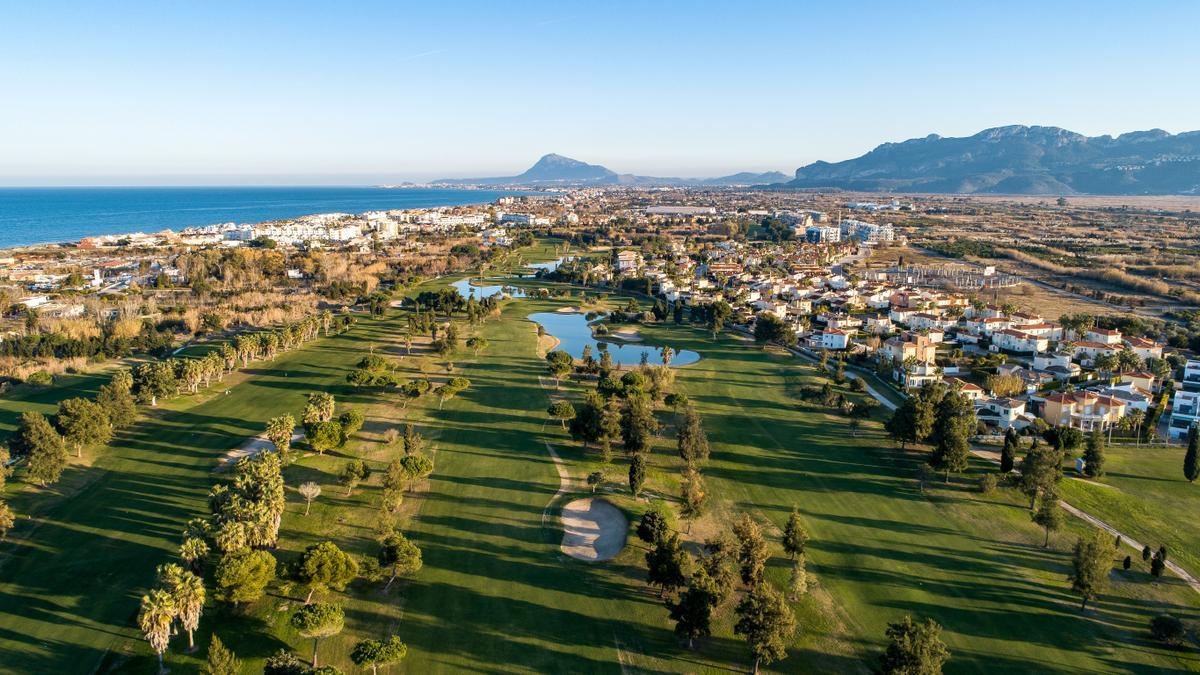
1020, 159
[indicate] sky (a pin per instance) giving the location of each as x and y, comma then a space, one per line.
148, 93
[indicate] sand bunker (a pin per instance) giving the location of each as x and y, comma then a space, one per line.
626, 334
593, 530
249, 449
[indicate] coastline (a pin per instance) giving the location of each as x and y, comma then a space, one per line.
27, 214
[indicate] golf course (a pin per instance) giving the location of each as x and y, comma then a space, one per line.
496, 592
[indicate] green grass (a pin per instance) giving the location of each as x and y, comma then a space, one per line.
1145, 495
497, 595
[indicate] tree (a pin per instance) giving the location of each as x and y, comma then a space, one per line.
914, 648
653, 527
221, 661
693, 613
1040, 471
560, 364
637, 474
279, 432
770, 328
692, 441
692, 495
638, 425
1008, 454
116, 398
561, 411
752, 550
1091, 563
451, 389
310, 491
416, 467
324, 436
375, 653
82, 423
193, 550
284, 662
1158, 564
318, 620
187, 593
594, 479
767, 623
323, 566
155, 617
243, 575
7, 519
351, 421
354, 473
399, 557
798, 582
45, 448
1093, 455
1049, 515
953, 426
1168, 629
477, 344
794, 535
1191, 460
155, 380
666, 564
320, 408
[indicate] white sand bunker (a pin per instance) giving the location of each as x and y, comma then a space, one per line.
250, 448
593, 529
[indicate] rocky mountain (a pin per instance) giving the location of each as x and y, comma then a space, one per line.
555, 170
1020, 160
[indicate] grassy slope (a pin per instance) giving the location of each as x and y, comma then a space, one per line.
1147, 498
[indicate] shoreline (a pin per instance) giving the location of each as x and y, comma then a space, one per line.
30, 222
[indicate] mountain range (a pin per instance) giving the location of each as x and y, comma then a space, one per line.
1020, 160
557, 171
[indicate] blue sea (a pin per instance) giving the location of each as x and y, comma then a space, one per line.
49, 215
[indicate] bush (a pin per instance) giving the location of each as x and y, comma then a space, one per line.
1168, 629
987, 483
40, 378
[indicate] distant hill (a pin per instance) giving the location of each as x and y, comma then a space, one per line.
556, 170
1020, 160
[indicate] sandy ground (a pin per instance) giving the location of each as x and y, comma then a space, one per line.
593, 530
626, 334
567, 310
249, 449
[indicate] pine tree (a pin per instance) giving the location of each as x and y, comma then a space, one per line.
637, 474
794, 535
1191, 460
1008, 456
1093, 455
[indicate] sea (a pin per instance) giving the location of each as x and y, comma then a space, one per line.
54, 215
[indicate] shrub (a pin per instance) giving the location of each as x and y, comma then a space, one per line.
40, 378
987, 483
1168, 629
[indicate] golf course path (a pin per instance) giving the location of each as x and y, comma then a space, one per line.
1087, 517
1129, 541
564, 481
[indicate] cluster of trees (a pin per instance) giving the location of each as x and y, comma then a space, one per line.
79, 423
941, 417
764, 617
244, 526
322, 429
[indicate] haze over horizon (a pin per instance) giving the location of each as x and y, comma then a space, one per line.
301, 93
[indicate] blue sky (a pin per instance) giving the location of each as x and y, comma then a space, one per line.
366, 92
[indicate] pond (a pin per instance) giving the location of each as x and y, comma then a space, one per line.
574, 332
467, 289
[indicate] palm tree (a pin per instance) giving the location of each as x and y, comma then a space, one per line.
155, 619
188, 595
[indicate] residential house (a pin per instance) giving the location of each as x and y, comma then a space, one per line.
1084, 410
1020, 341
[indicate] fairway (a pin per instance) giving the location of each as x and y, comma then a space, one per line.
496, 593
